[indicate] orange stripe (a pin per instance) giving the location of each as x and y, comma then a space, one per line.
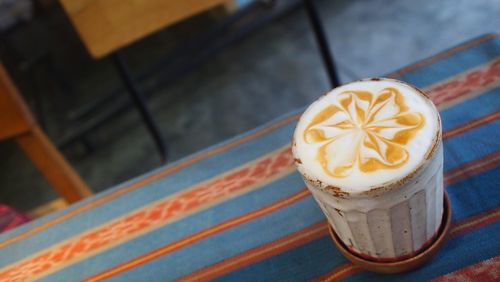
199, 236
206, 154
472, 124
156, 214
458, 229
475, 222
487, 270
465, 85
299, 238
338, 273
309, 234
249, 257
472, 168
148, 179
442, 55
460, 93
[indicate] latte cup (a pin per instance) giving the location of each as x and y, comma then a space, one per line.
371, 154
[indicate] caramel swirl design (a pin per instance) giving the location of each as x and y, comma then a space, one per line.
364, 130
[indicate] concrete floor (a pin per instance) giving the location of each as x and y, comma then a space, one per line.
271, 72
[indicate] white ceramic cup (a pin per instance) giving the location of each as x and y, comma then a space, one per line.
386, 221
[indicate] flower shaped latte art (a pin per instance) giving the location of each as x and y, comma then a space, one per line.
363, 130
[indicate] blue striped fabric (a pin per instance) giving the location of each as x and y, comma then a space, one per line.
264, 225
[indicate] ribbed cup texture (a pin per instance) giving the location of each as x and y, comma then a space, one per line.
396, 224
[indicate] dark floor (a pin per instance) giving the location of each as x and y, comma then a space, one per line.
272, 71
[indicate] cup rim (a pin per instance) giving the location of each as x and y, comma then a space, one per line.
389, 185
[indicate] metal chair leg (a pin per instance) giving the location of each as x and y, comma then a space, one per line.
319, 33
140, 104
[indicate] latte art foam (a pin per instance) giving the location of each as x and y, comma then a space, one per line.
365, 134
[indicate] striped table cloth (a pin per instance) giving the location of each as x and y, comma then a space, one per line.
239, 211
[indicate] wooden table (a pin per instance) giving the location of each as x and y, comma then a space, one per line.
105, 26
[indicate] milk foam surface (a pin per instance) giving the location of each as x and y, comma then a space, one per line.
365, 134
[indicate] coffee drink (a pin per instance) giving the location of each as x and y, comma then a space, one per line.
371, 154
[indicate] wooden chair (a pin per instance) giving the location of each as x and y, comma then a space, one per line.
17, 122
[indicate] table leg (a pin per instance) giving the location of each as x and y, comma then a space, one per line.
140, 104
319, 33
54, 167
